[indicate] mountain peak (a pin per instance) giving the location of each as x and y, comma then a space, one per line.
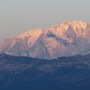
74, 21
77, 24
66, 39
70, 28
29, 33
70, 23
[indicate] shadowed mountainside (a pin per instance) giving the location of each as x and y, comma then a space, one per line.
25, 73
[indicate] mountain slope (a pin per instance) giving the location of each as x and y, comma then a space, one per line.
66, 39
25, 73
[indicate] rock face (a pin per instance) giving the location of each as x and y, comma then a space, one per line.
66, 39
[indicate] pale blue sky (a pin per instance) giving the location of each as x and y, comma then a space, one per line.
18, 16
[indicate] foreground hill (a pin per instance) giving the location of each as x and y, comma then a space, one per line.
25, 73
66, 39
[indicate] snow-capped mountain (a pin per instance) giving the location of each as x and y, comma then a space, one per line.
66, 39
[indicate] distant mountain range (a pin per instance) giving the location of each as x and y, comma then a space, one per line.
67, 39
26, 73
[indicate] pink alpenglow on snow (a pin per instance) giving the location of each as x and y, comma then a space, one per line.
66, 39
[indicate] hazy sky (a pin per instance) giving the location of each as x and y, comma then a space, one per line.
18, 16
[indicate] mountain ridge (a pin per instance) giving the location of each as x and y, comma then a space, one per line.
66, 39
64, 73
